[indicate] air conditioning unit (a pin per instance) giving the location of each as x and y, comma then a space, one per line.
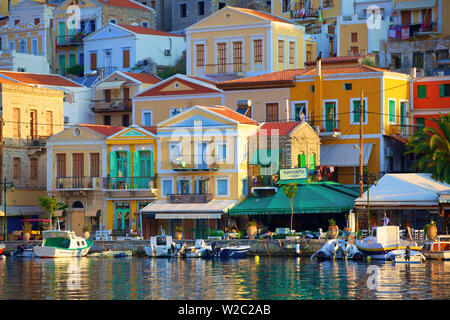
388, 152
438, 73
167, 52
66, 119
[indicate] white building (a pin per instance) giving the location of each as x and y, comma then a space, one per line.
120, 47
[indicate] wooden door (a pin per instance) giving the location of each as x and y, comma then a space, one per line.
77, 170
77, 222
93, 60
272, 112
406, 17
126, 58
33, 124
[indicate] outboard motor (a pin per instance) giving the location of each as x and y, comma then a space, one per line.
407, 253
215, 248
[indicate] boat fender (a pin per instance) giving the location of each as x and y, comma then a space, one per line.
351, 239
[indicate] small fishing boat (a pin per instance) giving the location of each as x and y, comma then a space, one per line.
23, 251
2, 247
437, 249
161, 246
405, 256
382, 240
112, 254
199, 250
338, 249
62, 244
229, 251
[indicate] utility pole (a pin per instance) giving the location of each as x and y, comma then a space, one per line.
5, 186
361, 164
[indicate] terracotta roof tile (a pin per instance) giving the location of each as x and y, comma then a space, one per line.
339, 59
102, 129
159, 89
7, 81
124, 3
151, 129
143, 77
149, 31
261, 14
284, 128
280, 78
40, 79
231, 114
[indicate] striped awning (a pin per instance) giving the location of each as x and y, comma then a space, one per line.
187, 216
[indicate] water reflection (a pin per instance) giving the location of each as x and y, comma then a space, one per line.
263, 278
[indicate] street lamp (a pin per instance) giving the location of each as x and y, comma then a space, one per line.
366, 177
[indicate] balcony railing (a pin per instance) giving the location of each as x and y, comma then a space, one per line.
129, 183
401, 130
403, 32
190, 198
69, 40
114, 105
326, 127
76, 183
35, 141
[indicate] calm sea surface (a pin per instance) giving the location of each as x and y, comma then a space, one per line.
267, 278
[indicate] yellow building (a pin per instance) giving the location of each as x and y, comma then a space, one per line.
76, 165
202, 169
331, 98
307, 11
112, 103
171, 96
236, 42
29, 116
130, 184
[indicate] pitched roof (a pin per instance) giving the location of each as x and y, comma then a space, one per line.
149, 31
40, 79
231, 114
151, 129
284, 128
261, 14
143, 77
102, 129
124, 3
340, 59
344, 69
7, 81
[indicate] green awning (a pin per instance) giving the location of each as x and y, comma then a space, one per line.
287, 181
316, 197
262, 157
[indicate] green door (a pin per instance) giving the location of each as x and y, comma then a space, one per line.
391, 111
144, 169
61, 64
402, 113
330, 116
122, 216
62, 32
72, 60
123, 169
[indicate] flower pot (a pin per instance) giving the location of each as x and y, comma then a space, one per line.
251, 232
86, 234
333, 232
26, 236
431, 232
178, 235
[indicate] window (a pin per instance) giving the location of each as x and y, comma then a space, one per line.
300, 113
421, 92
34, 47
291, 52
200, 55
444, 90
60, 165
174, 151
95, 164
16, 123
107, 120
418, 59
37, 21
222, 57
201, 8
356, 107
347, 86
222, 5
272, 112
81, 59
16, 22
281, 51
126, 58
286, 5
125, 120
237, 56
16, 168
33, 124
93, 56
183, 10
174, 111
33, 168
403, 111
221, 151
330, 113
222, 187
309, 50
183, 186
145, 24
354, 50
391, 111
123, 163
312, 88
11, 45
302, 160
354, 37
312, 162
244, 187
23, 46
420, 123
49, 123
257, 51
167, 187
107, 94
147, 118
113, 21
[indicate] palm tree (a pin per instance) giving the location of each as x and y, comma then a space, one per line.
290, 190
431, 147
51, 204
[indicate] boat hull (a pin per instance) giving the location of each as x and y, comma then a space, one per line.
199, 253
440, 255
2, 248
234, 253
157, 251
379, 252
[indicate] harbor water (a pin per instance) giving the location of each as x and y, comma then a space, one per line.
268, 278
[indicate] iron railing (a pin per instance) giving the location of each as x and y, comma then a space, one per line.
190, 198
125, 183
76, 183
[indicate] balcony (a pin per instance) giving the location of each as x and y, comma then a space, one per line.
327, 128
205, 163
70, 40
35, 141
190, 198
114, 105
129, 186
399, 130
77, 183
405, 32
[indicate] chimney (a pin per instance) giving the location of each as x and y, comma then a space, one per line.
413, 72
319, 67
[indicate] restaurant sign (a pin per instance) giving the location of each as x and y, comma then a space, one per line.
296, 173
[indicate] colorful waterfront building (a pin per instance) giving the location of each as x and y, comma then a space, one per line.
171, 96
430, 99
130, 183
202, 170
112, 99
76, 162
236, 42
28, 43
29, 116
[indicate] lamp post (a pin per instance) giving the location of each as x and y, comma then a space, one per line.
5, 186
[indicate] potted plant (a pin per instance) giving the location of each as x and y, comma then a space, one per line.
178, 233
252, 229
86, 232
333, 229
430, 230
215, 234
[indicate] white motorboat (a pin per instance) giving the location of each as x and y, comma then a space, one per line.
338, 249
382, 240
163, 246
23, 251
62, 244
437, 249
405, 256
199, 250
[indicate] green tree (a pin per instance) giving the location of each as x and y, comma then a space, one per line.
431, 147
290, 190
51, 204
